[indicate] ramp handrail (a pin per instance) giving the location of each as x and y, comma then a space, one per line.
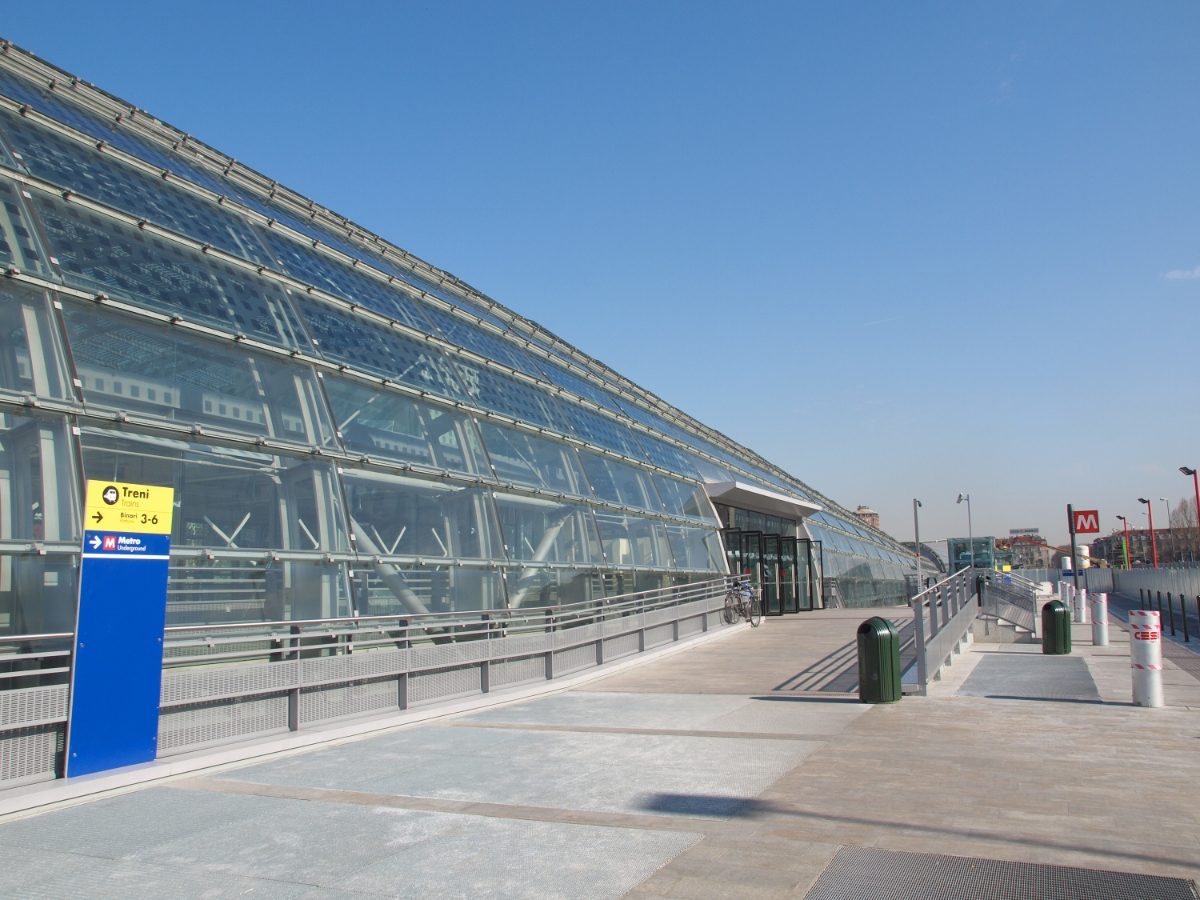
942, 617
1011, 598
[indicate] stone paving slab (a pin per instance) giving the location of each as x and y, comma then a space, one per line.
734, 768
563, 770
164, 842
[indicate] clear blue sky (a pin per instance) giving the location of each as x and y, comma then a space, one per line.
901, 249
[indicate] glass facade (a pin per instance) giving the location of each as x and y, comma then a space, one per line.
347, 429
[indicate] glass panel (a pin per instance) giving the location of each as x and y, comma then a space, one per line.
680, 498
370, 347
668, 457
577, 384
382, 423
54, 107
400, 516
692, 548
16, 236
619, 482
545, 531
497, 392
338, 278
37, 596
206, 591
529, 459
224, 498
101, 254
102, 177
167, 373
38, 489
554, 587
31, 357
633, 541
485, 343
389, 590
602, 431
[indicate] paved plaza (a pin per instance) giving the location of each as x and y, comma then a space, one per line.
741, 765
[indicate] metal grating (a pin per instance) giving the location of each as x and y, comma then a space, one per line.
620, 624
218, 723
320, 704
660, 634
518, 671
443, 685
1030, 676
201, 684
615, 648
519, 645
371, 664
575, 659
569, 636
437, 656
690, 626
862, 873
29, 755
39, 704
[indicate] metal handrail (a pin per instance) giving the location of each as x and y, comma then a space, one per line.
1013, 599
311, 638
942, 617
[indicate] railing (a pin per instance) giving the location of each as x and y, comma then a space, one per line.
1092, 578
34, 676
232, 682
1176, 579
942, 617
1012, 598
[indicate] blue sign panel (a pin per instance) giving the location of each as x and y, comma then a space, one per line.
117, 674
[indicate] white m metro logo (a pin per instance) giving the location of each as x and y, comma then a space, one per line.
1087, 521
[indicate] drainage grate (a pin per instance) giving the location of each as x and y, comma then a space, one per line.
860, 873
1030, 676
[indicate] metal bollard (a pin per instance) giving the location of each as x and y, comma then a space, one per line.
1099, 609
1145, 650
1081, 607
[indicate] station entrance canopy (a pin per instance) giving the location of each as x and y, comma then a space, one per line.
752, 497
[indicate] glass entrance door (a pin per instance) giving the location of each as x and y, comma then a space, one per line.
771, 600
752, 555
789, 593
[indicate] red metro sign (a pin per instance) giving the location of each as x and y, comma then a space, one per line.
1085, 521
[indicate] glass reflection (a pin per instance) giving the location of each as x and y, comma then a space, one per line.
226, 499
532, 460
386, 424
158, 371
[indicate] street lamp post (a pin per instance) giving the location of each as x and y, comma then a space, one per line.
970, 532
1168, 542
917, 542
1125, 540
1195, 483
1153, 542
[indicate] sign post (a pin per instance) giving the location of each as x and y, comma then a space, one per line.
1083, 521
117, 673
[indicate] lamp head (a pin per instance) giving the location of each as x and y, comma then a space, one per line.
1122, 518
1143, 500
1186, 471
962, 497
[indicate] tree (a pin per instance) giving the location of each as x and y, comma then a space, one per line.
1184, 514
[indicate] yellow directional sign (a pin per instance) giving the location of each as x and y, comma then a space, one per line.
118, 506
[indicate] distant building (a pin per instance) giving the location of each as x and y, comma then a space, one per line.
868, 516
1028, 549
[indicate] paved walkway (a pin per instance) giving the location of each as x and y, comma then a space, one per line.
742, 766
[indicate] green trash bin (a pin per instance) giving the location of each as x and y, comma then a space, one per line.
878, 661
1056, 628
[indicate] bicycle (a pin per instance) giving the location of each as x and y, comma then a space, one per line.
741, 601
